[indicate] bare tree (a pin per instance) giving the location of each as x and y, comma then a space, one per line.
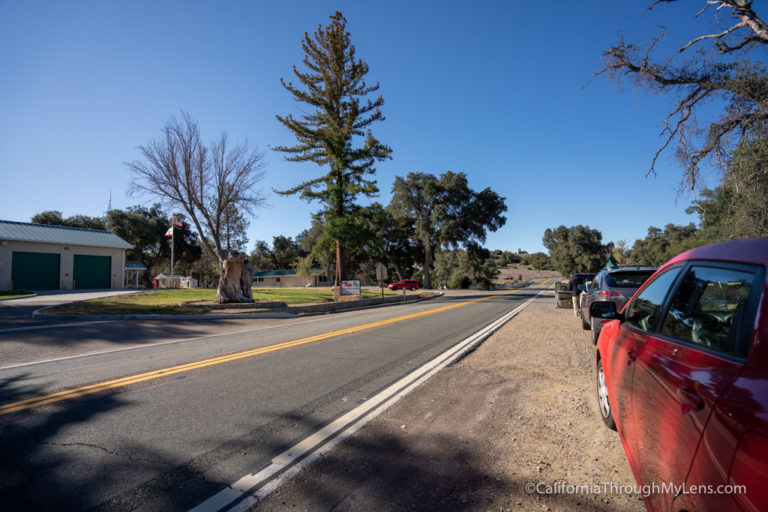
720, 69
205, 181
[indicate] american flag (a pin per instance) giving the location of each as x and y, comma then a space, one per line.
174, 222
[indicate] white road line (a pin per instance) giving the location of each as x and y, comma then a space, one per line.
151, 345
51, 326
310, 448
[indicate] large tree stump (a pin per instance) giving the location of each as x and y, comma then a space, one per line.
246, 279
235, 278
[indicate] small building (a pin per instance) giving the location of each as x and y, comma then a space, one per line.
290, 278
43, 257
132, 272
175, 281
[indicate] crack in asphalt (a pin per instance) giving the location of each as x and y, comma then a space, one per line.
36, 439
107, 451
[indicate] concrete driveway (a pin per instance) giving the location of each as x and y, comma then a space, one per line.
18, 312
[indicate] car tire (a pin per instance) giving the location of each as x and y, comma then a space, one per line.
594, 335
585, 325
603, 403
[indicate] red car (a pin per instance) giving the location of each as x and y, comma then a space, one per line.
408, 284
682, 375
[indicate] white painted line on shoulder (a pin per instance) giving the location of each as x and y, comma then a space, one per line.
243, 494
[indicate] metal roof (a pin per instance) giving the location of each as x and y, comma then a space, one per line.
269, 273
134, 265
284, 272
26, 232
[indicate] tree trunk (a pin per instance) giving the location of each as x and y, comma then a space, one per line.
146, 279
339, 263
427, 263
399, 272
235, 278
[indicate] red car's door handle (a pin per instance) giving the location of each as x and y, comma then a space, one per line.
693, 400
631, 357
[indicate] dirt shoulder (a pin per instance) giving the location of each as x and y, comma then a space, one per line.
521, 409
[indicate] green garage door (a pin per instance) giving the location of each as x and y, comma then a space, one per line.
91, 272
35, 271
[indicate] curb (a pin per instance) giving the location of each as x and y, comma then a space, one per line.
289, 312
20, 297
40, 315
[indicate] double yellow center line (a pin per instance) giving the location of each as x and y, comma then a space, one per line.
156, 374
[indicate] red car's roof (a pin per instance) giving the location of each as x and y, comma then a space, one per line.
749, 250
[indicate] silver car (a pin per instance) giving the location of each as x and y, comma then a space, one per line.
617, 285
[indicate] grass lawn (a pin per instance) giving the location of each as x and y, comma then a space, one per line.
303, 295
12, 294
151, 302
167, 301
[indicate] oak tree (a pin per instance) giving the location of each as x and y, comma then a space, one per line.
55, 218
659, 245
445, 212
575, 249
723, 68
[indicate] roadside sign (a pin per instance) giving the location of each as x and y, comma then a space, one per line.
381, 272
350, 287
381, 276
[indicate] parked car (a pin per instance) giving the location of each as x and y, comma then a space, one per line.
563, 295
408, 284
682, 374
616, 284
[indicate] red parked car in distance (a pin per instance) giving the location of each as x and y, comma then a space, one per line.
408, 284
682, 375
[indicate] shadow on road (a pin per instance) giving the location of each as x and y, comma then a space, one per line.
37, 468
41, 344
378, 469
518, 295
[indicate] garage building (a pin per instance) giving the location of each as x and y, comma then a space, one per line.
43, 257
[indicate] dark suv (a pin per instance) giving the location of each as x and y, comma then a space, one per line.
617, 285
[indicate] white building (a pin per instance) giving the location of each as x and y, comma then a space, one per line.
290, 278
43, 257
175, 281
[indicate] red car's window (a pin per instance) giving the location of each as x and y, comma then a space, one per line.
707, 305
644, 311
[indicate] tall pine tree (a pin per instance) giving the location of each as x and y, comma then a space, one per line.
335, 133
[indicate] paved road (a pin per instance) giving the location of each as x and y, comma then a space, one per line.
17, 313
167, 440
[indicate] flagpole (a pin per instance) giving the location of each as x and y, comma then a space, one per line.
173, 279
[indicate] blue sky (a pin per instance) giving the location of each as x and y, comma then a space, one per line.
493, 89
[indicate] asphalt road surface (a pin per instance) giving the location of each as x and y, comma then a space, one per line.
17, 313
163, 415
